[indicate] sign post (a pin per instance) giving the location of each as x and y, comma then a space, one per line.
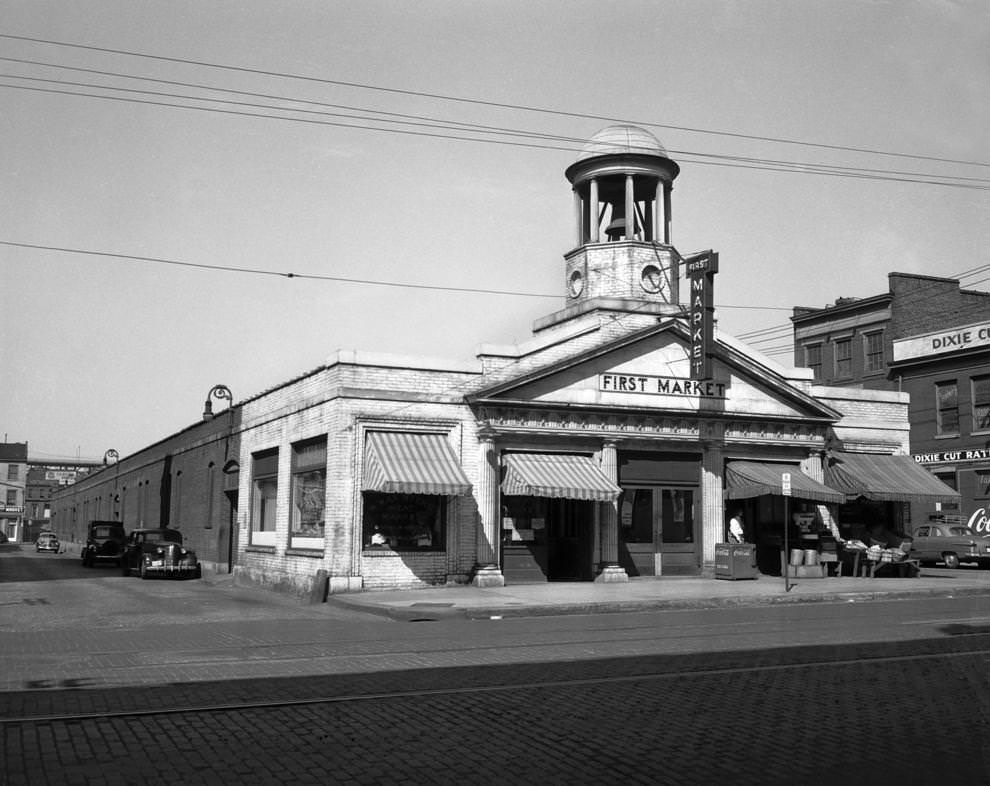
785, 486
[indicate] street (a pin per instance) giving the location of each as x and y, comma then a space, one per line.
110, 679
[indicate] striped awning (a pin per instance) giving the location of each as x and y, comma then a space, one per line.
409, 463
557, 475
885, 479
745, 479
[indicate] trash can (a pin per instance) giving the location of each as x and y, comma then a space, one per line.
735, 561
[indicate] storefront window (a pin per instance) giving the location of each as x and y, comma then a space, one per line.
981, 403
983, 483
404, 522
524, 520
947, 408
308, 490
264, 490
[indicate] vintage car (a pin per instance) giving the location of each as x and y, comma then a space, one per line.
159, 552
104, 543
951, 544
47, 541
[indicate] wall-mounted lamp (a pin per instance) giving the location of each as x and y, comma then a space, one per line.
111, 456
218, 392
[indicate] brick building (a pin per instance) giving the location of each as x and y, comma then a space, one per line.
592, 451
44, 478
13, 477
926, 337
947, 374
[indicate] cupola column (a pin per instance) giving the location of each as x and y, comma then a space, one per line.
593, 209
659, 216
579, 216
630, 208
666, 214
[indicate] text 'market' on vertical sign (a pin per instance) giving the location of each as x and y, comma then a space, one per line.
701, 269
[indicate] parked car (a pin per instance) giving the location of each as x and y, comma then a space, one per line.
47, 541
105, 542
951, 544
159, 552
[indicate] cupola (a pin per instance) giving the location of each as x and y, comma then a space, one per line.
622, 182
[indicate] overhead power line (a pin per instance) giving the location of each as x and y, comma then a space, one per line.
725, 161
382, 116
311, 276
481, 102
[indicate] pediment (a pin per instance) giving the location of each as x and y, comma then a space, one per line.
649, 372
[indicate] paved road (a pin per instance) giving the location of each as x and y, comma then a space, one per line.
246, 687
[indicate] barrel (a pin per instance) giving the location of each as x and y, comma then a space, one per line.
797, 557
810, 556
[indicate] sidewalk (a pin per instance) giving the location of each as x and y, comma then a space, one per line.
649, 594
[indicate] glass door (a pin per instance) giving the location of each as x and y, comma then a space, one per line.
678, 544
657, 531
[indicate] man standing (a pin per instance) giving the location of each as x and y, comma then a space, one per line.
736, 534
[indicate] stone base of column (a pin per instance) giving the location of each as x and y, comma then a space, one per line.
612, 574
488, 576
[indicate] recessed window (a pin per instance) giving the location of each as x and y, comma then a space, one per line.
813, 359
946, 408
843, 358
308, 494
873, 352
949, 479
13, 471
264, 490
981, 403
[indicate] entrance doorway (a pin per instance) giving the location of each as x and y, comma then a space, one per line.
657, 531
546, 539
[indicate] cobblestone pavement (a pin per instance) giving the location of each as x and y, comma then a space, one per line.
913, 712
107, 680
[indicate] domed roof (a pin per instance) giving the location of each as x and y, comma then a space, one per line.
621, 139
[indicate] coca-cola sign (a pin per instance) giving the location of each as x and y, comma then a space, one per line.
979, 522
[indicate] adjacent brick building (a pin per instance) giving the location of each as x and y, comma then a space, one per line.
927, 337
13, 479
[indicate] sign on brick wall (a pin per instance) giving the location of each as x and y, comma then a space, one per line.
943, 342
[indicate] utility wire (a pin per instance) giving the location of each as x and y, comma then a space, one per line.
420, 120
825, 170
312, 276
480, 102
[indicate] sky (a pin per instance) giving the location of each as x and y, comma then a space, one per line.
103, 347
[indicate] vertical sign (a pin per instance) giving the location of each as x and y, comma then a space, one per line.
701, 269
785, 483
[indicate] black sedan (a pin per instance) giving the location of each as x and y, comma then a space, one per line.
159, 552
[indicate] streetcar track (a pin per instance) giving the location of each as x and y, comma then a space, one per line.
478, 689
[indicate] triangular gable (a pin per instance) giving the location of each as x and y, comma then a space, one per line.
649, 370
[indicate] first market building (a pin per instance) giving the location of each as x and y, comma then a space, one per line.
606, 447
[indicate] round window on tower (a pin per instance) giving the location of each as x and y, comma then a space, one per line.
652, 279
575, 284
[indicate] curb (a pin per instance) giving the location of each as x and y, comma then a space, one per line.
432, 612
